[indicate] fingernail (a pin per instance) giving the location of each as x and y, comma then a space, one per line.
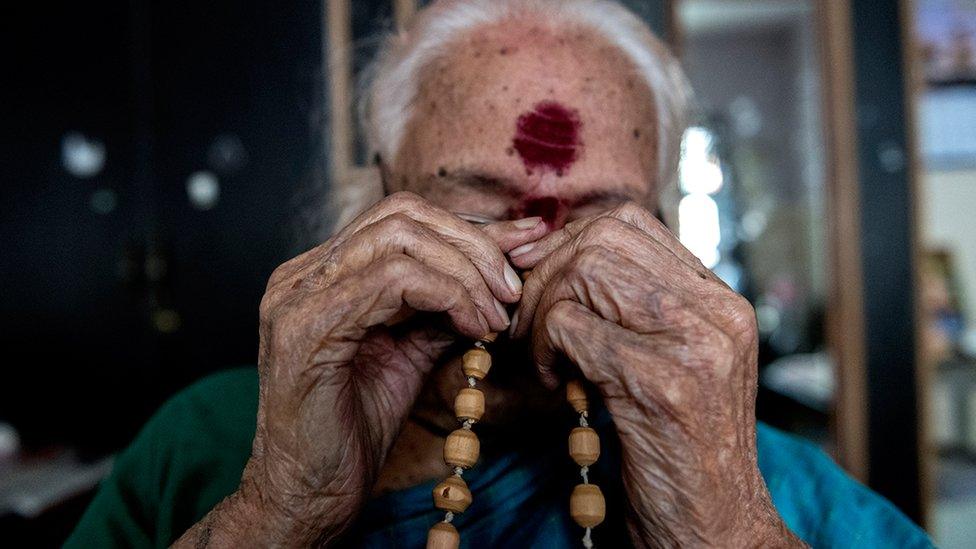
514, 325
523, 249
527, 223
512, 280
502, 312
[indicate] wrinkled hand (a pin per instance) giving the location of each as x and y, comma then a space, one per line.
673, 352
344, 353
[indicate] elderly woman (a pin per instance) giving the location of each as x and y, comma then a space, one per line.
508, 136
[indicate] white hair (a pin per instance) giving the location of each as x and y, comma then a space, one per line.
392, 82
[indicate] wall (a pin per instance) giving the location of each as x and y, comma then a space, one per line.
948, 216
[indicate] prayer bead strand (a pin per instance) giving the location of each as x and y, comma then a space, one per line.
586, 504
461, 448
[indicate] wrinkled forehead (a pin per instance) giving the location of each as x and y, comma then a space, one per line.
549, 108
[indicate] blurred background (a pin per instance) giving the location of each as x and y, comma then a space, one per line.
160, 160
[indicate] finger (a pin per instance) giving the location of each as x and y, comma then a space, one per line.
612, 286
584, 282
626, 367
644, 256
346, 310
528, 255
474, 243
436, 293
669, 326
512, 234
470, 240
399, 234
289, 270
592, 343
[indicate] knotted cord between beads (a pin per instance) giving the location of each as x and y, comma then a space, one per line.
465, 424
461, 448
587, 505
587, 541
584, 469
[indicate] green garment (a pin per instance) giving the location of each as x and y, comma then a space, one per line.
191, 455
187, 459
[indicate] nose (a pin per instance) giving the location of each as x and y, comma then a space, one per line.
551, 209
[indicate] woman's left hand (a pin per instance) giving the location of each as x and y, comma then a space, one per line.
673, 352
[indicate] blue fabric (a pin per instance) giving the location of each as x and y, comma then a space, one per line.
521, 500
191, 454
825, 506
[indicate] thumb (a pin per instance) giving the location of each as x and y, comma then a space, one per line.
512, 234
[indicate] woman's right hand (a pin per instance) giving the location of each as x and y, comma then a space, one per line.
343, 357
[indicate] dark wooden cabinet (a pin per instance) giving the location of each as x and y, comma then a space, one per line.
117, 288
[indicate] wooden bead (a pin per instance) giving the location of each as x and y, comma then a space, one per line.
576, 395
587, 506
452, 495
461, 448
490, 337
469, 404
443, 535
476, 363
584, 446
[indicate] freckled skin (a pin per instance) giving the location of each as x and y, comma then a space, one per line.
358, 336
615, 150
573, 69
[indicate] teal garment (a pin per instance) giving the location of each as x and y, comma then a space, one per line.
191, 453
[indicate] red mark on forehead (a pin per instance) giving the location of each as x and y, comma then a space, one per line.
552, 210
547, 137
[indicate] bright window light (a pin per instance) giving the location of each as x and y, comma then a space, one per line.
698, 227
700, 170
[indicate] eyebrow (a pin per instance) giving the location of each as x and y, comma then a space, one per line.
500, 185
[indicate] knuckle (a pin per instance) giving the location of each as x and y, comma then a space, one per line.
403, 199
716, 342
600, 230
324, 274
576, 226
485, 256
267, 307
741, 313
628, 209
397, 223
663, 306
395, 267
593, 261
720, 352
281, 273
456, 291
561, 313
493, 260
606, 225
